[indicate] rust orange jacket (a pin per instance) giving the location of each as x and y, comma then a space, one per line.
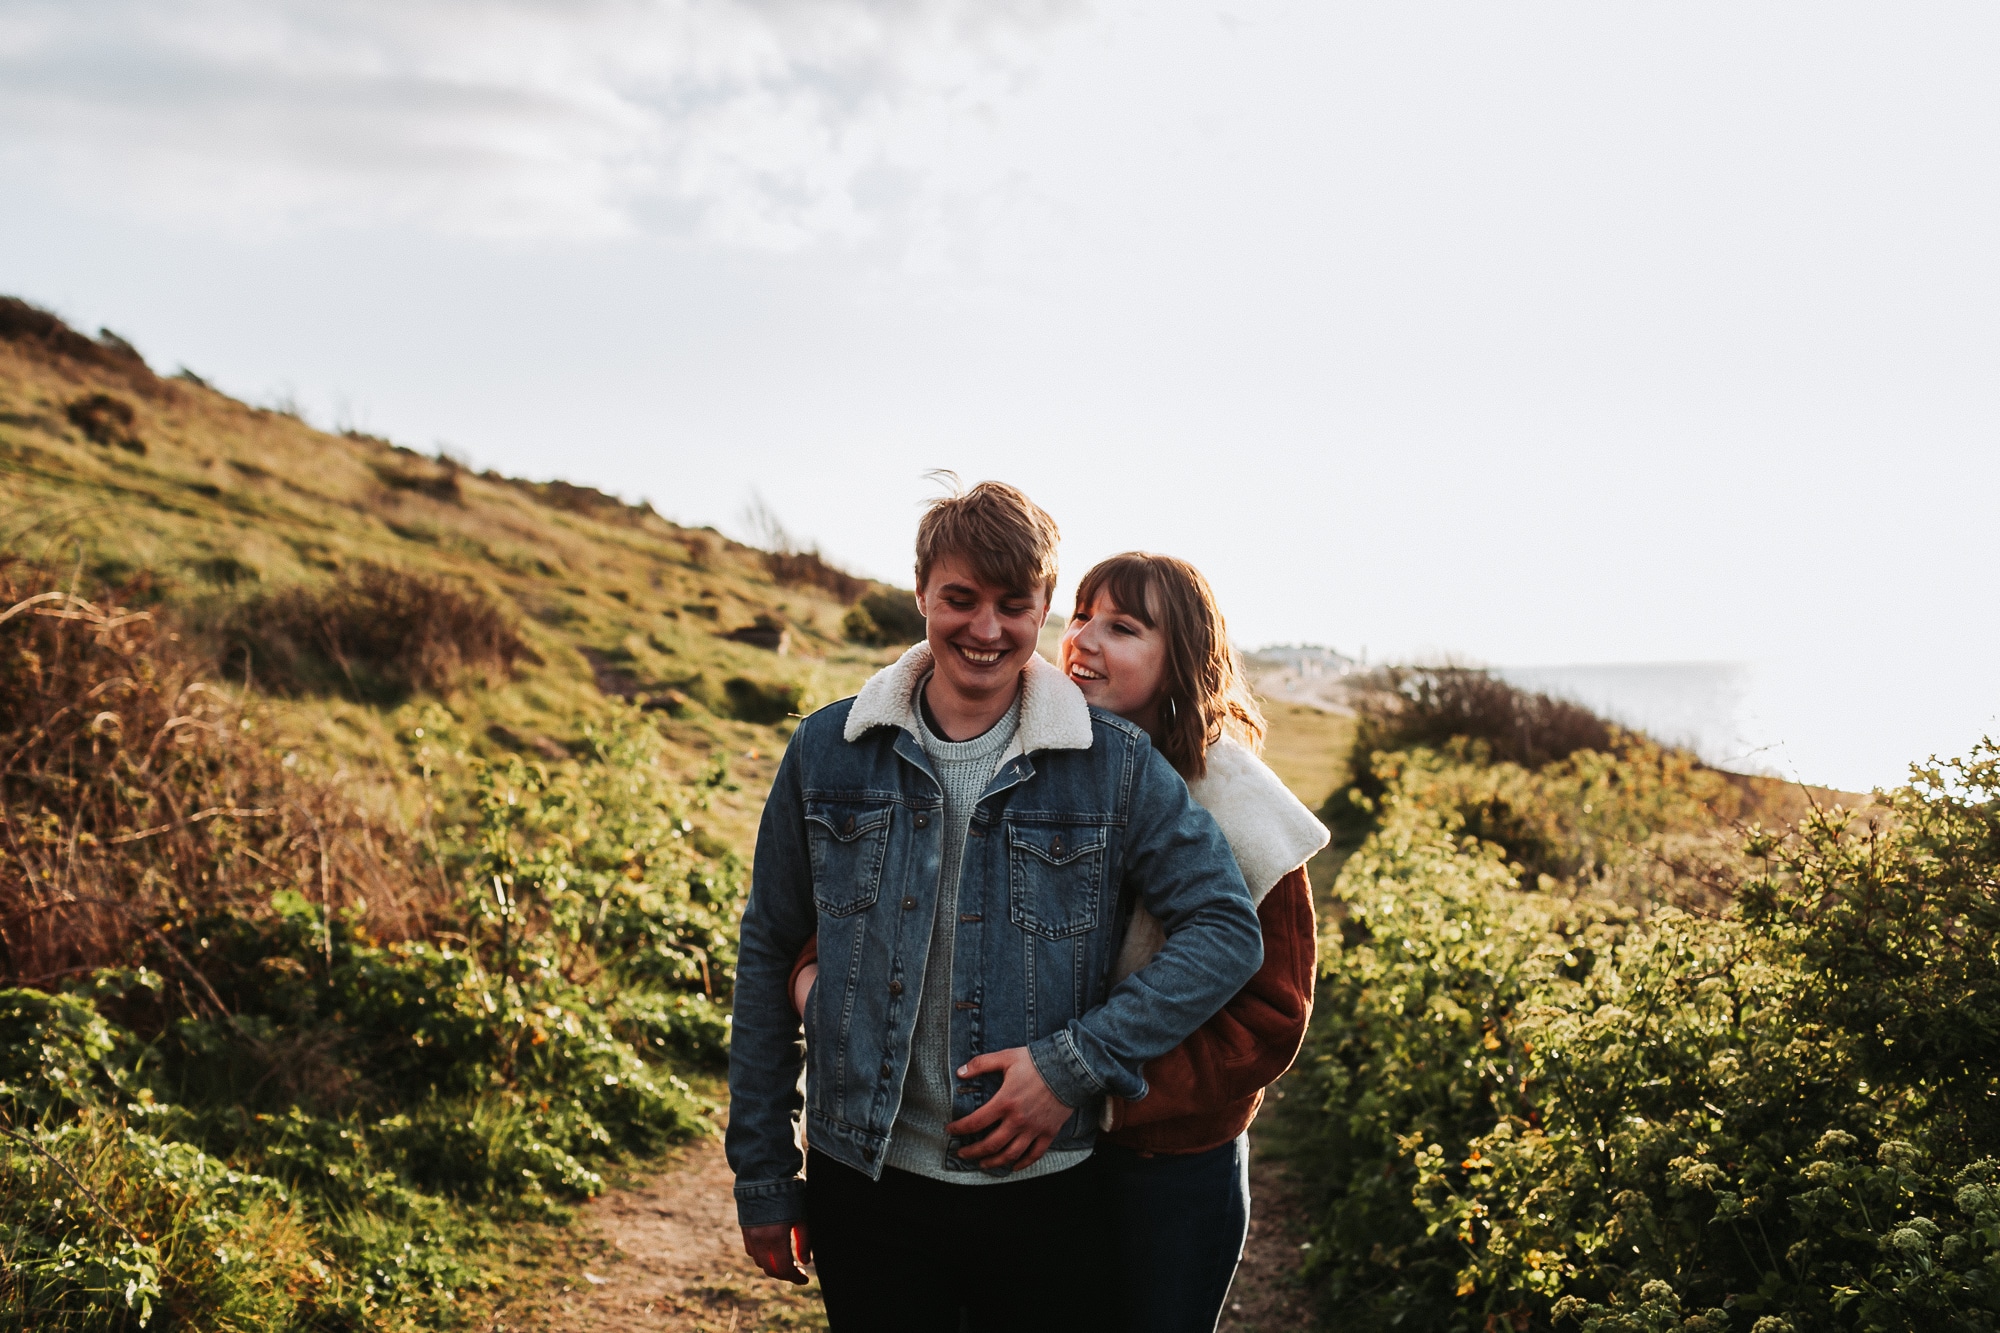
1206, 1091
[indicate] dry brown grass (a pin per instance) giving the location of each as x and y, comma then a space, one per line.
133, 792
43, 333
809, 569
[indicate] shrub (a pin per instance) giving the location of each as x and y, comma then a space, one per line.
416, 474
1556, 1110
106, 420
1647, 825
111, 1227
885, 618
809, 569
1407, 708
377, 634
763, 701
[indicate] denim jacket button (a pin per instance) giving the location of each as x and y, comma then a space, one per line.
895, 988
909, 904
922, 820
886, 1071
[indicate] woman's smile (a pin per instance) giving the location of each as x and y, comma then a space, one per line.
1118, 660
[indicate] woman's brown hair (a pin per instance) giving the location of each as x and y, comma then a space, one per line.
1204, 693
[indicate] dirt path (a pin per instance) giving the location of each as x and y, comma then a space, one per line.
664, 1256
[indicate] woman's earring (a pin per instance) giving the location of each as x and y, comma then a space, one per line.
1172, 711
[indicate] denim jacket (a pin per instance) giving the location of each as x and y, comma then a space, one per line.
1083, 821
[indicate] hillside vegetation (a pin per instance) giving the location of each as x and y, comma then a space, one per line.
1601, 1044
374, 836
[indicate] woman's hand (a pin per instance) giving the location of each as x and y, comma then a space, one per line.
1021, 1121
771, 1246
802, 986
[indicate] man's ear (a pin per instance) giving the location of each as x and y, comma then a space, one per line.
922, 610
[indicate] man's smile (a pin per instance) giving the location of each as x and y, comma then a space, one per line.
979, 656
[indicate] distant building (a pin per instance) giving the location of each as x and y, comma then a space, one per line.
1304, 673
1306, 659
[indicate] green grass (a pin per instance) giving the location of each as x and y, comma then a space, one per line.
230, 502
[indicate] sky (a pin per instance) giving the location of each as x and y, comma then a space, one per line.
1528, 335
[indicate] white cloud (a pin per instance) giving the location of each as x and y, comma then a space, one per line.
772, 124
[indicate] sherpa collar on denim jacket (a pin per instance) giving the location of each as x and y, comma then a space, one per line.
1054, 715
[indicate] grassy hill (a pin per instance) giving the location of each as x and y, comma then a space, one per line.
210, 509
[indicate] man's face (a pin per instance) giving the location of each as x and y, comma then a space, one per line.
981, 635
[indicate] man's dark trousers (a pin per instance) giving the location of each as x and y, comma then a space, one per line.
908, 1254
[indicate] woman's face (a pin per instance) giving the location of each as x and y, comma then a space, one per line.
1117, 660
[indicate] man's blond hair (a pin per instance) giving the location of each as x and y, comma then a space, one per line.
995, 531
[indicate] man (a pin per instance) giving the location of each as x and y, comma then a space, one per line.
963, 839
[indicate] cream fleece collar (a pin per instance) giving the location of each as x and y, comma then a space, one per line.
1054, 715
1270, 831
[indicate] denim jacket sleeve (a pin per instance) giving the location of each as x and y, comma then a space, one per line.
766, 1047
1179, 865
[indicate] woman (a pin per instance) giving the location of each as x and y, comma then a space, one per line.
1148, 643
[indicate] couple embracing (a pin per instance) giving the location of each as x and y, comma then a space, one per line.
1049, 936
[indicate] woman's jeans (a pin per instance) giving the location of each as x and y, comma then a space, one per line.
1178, 1225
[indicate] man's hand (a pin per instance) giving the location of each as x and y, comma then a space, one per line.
772, 1247
1021, 1121
802, 987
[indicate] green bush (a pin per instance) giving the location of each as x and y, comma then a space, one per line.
271, 1119
1570, 1108
376, 633
884, 618
1409, 708
763, 701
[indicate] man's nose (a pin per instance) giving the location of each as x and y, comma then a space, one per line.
986, 624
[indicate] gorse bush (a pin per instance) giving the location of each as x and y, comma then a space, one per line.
1408, 708
1570, 1107
885, 618
376, 634
1643, 826
236, 1091
106, 420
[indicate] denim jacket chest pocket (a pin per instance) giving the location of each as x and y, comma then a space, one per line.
1055, 877
848, 843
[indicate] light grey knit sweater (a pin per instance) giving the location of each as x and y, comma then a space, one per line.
918, 1142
